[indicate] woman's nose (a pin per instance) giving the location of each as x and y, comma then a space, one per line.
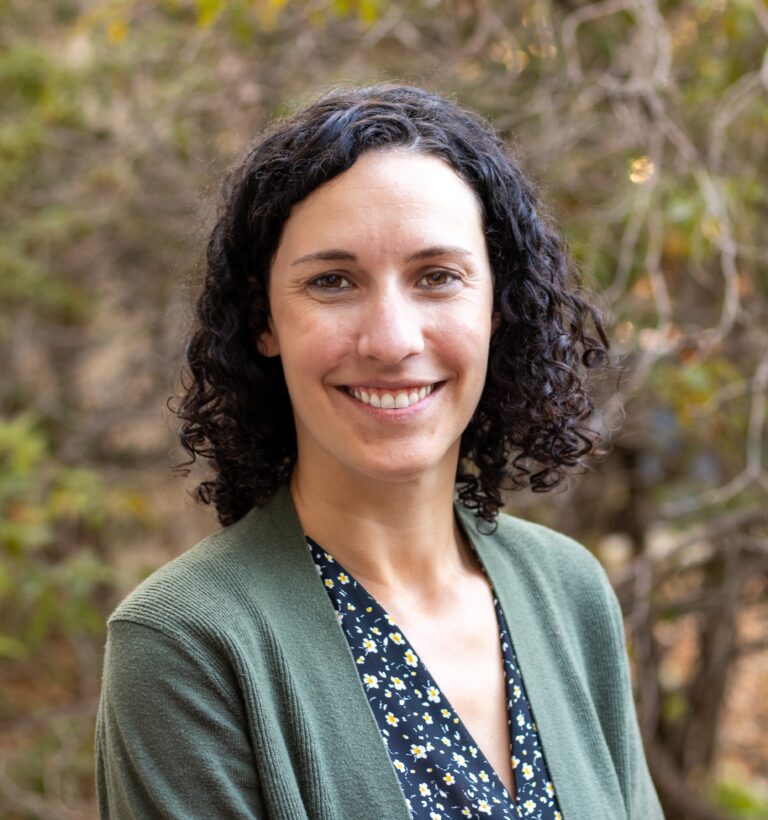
390, 330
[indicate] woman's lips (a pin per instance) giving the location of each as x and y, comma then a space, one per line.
391, 398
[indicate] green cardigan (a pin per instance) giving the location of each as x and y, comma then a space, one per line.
230, 691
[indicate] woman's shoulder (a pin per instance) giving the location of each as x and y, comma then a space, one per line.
221, 579
552, 560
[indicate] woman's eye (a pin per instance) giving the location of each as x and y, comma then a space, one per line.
330, 281
438, 278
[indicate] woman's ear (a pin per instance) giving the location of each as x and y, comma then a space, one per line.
267, 343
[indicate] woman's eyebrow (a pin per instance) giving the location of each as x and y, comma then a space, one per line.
439, 250
330, 255
337, 254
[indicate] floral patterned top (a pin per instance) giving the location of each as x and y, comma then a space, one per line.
442, 771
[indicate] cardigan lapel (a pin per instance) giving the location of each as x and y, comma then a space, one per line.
356, 775
577, 756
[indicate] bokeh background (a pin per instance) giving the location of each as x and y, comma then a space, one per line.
645, 126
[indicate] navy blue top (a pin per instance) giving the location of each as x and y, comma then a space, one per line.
442, 771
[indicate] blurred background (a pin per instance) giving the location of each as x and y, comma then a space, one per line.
645, 126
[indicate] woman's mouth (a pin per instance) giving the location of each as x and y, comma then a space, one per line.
390, 399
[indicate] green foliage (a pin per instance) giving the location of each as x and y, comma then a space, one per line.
52, 577
740, 801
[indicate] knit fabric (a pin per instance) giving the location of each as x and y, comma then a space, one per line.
228, 684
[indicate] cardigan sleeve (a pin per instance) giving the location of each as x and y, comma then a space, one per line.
621, 725
171, 738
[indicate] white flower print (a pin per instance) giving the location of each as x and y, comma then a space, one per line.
369, 645
527, 771
439, 769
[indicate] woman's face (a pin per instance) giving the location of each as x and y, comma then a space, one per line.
381, 301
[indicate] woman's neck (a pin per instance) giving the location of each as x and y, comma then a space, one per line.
388, 535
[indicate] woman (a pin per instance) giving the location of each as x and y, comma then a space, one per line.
387, 334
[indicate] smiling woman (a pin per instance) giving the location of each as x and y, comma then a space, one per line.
389, 335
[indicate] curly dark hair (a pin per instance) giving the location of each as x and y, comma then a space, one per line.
530, 427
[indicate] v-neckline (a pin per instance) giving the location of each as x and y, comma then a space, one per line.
512, 799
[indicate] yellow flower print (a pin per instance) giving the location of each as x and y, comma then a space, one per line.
339, 616
433, 694
433, 816
515, 762
329, 583
473, 751
460, 760
399, 766
550, 789
427, 718
391, 719
396, 637
370, 681
527, 771
529, 806
398, 684
558, 816
418, 752
445, 741
369, 645
390, 619
351, 607
328, 558
387, 693
445, 713
376, 630
369, 609
520, 720
516, 692
483, 775
449, 778
410, 657
484, 806
424, 790
466, 812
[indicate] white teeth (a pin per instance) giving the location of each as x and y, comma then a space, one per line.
389, 401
